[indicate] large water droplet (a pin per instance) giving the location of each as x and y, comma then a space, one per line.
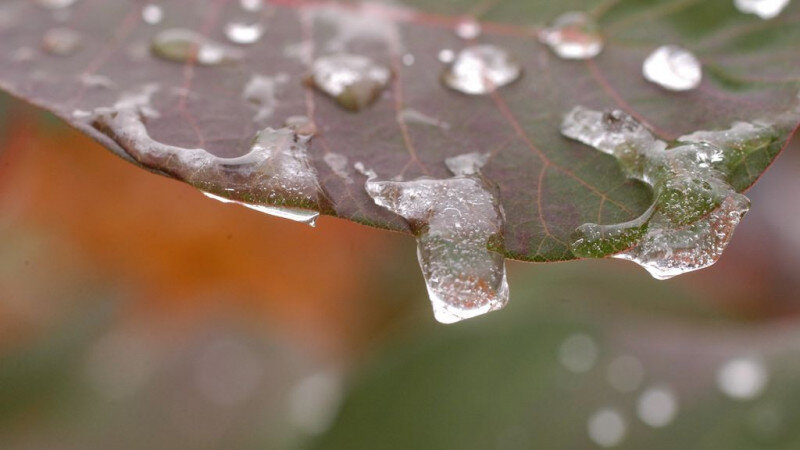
481, 69
455, 221
182, 45
765, 9
152, 14
274, 177
673, 68
353, 81
696, 210
61, 41
573, 35
244, 33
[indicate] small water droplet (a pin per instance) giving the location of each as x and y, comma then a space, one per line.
244, 33
625, 373
464, 278
742, 378
765, 9
152, 14
481, 69
354, 81
251, 5
573, 35
413, 116
61, 41
673, 68
607, 427
261, 91
657, 406
578, 353
446, 56
468, 29
408, 59
182, 45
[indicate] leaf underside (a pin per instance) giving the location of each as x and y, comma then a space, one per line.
547, 184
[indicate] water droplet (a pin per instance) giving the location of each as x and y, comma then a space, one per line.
244, 33
481, 69
152, 14
657, 406
412, 116
695, 212
607, 427
353, 81
181, 45
446, 56
578, 353
61, 41
275, 177
765, 9
673, 68
56, 4
464, 277
573, 35
260, 91
742, 378
251, 5
625, 374
408, 59
468, 29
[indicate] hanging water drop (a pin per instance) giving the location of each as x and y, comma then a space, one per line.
456, 220
152, 14
481, 69
182, 45
61, 41
673, 68
244, 33
765, 9
573, 35
353, 81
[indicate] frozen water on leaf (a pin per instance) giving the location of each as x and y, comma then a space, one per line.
354, 81
481, 69
339, 165
182, 45
261, 91
765, 9
244, 33
455, 220
468, 29
61, 41
467, 164
274, 177
673, 68
696, 210
413, 116
152, 14
573, 35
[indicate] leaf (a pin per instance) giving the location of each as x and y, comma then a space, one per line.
547, 185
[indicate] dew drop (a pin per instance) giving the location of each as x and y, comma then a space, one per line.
353, 81
573, 35
61, 41
481, 69
695, 211
742, 378
468, 29
182, 45
463, 276
607, 427
673, 68
244, 33
152, 14
765, 9
657, 406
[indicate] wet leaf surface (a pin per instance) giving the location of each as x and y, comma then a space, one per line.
548, 185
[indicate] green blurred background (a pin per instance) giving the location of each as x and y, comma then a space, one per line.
135, 313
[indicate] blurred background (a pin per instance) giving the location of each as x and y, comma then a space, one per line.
135, 313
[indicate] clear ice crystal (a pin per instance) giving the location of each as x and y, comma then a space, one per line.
456, 220
354, 81
765, 9
182, 45
481, 69
573, 35
673, 68
274, 177
696, 210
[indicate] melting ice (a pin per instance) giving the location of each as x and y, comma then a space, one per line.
354, 81
573, 35
765, 9
274, 177
455, 220
673, 68
481, 69
182, 45
696, 209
